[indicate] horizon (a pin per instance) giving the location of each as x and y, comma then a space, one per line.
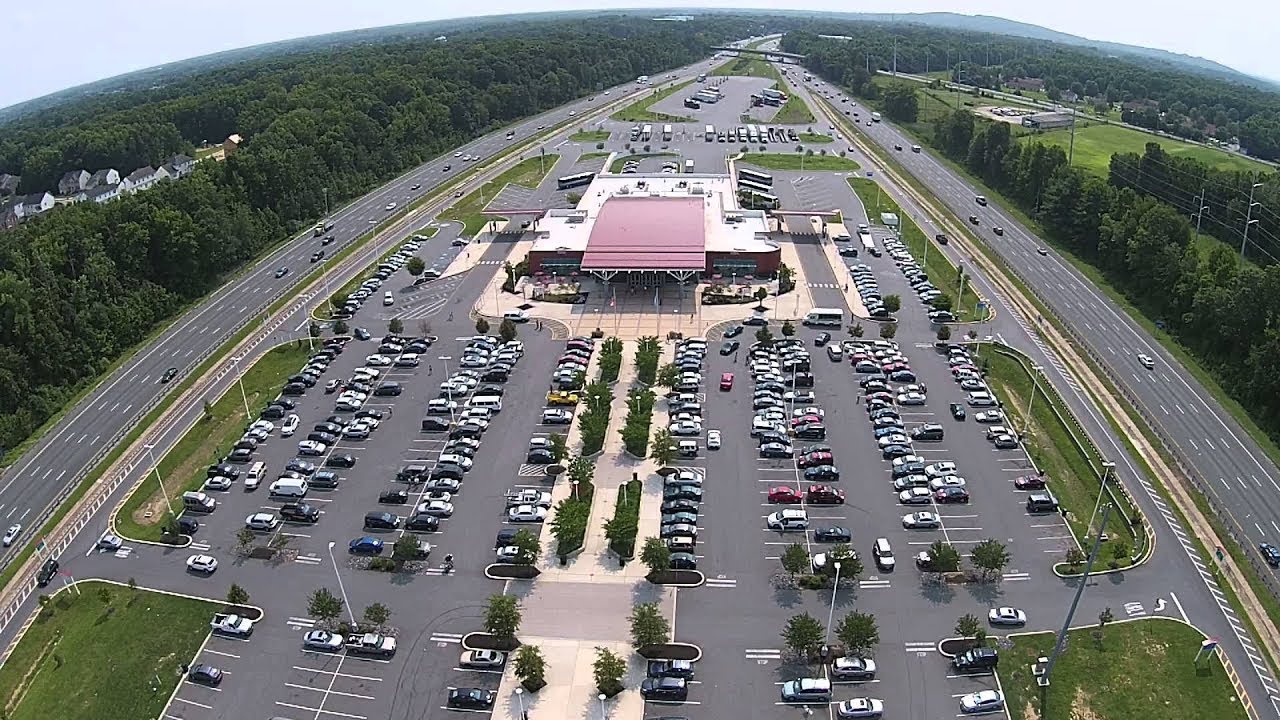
31, 36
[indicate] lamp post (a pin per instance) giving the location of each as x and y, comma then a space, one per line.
341, 588
446, 359
575, 489
326, 202
235, 363
826, 639
1035, 388
520, 700
155, 466
602, 713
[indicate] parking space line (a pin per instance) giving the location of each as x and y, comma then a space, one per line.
224, 654
193, 702
339, 674
320, 711
328, 692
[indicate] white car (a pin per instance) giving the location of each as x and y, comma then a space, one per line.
217, 482
437, 508
713, 439
940, 469
262, 521
1007, 616
685, 428
459, 460
788, 519
323, 640
346, 404
264, 425
388, 299
1146, 361
311, 447
860, 707
921, 521
353, 395
801, 412
484, 659
109, 542
529, 496
356, 431
377, 360
915, 496
911, 398
983, 701
989, 416
527, 514
390, 206
202, 564
946, 481
12, 534
290, 425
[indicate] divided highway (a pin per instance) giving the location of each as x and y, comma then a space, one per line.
60, 459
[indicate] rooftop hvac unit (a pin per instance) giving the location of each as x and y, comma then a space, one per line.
697, 190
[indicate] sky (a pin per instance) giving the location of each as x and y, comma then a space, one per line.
81, 41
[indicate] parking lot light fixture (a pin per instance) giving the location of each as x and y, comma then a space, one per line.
575, 489
155, 467
602, 711
452, 416
341, 588
1035, 388
831, 613
235, 364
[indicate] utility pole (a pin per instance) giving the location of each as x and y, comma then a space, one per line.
1042, 679
1071, 145
1248, 217
1200, 208
895, 57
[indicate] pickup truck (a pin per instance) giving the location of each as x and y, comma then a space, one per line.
371, 644
232, 625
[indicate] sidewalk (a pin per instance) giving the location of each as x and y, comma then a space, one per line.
841, 271
571, 692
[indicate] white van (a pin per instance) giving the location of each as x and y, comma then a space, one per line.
980, 399
289, 487
517, 316
492, 403
254, 478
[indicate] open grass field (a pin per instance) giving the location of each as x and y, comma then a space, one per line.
815, 138
143, 513
93, 656
1137, 671
796, 161
639, 111
1096, 143
528, 172
748, 66
793, 112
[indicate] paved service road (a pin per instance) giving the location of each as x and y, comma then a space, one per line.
73, 446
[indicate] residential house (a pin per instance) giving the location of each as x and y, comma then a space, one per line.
9, 184
103, 177
1068, 96
35, 203
1026, 84
101, 193
178, 166
141, 179
231, 144
73, 182
9, 217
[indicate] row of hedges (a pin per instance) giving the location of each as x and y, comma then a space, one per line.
621, 530
610, 360
648, 352
635, 431
593, 419
569, 526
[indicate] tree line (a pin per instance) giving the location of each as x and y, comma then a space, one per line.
1172, 99
81, 285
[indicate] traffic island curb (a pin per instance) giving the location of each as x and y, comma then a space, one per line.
486, 641
671, 651
677, 578
507, 571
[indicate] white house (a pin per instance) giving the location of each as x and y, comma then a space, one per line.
100, 194
103, 177
34, 204
141, 179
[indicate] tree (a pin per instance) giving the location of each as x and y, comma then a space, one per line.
244, 538
1075, 556
850, 563
942, 302
764, 336
788, 329
416, 266
990, 557
237, 595
786, 278
892, 303
559, 444
395, 326
649, 626
104, 595
901, 102
944, 333
1104, 618
314, 329
502, 616
968, 626
377, 614
482, 326
668, 375
324, 605
858, 633
340, 327
856, 330
531, 667
803, 635
507, 330
574, 197
662, 450
405, 549
943, 557
609, 669
795, 559
529, 545
655, 555
888, 330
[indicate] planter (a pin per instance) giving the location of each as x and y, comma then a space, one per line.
952, 647
485, 641
245, 611
507, 571
677, 578
533, 687
671, 651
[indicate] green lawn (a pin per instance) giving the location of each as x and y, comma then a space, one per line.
748, 66
616, 166
183, 467
592, 156
639, 111
86, 659
941, 272
1138, 671
528, 172
796, 161
793, 112
815, 138
1096, 143
1073, 475
589, 136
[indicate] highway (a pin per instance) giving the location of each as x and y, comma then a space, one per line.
62, 456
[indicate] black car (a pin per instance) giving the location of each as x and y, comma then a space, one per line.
671, 689
361, 334
47, 571
495, 375
682, 492
422, 523
300, 466
368, 413
803, 379
540, 456
957, 411
188, 526
822, 473
730, 347
811, 431
224, 470
294, 389
756, 320
684, 561
447, 470
380, 521
679, 505
670, 669
393, 496
466, 430
506, 536
330, 428
240, 455
471, 698
1270, 554
300, 512
340, 461
833, 534
205, 675
325, 479
388, 388
169, 374
434, 424
733, 331
822, 339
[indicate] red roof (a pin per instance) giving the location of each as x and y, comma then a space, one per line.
648, 233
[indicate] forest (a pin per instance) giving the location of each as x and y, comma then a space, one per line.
81, 285
1174, 100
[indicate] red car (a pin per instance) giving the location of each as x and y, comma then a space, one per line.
784, 495
726, 381
1029, 482
796, 422
815, 459
824, 495
887, 397
946, 495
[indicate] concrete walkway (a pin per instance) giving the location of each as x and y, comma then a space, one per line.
571, 692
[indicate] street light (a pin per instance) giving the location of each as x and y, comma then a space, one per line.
826, 639
602, 713
446, 359
1035, 388
341, 588
520, 699
155, 466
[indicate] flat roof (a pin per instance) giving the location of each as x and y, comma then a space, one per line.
647, 233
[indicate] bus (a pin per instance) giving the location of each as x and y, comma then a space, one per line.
702, 77
743, 183
831, 317
572, 181
643, 80
869, 244
666, 132
755, 176
688, 165
647, 133
754, 200
710, 133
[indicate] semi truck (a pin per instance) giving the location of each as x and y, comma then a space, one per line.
666, 132
229, 624
710, 133
647, 133
643, 80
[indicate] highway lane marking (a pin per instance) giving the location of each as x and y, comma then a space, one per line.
1210, 443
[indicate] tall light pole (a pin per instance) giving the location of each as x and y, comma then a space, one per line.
452, 416
1248, 217
602, 712
155, 467
341, 588
826, 639
1035, 388
235, 363
326, 202
520, 700
1042, 678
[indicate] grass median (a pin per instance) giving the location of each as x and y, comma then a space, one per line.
795, 111
941, 272
142, 514
622, 529
589, 136
106, 652
1129, 671
639, 111
528, 173
815, 138
800, 162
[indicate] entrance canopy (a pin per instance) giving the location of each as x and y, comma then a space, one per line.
648, 233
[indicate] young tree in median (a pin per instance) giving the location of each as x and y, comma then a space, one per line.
244, 538
648, 626
856, 330
609, 669
761, 293
341, 328
892, 303
237, 595
662, 450
507, 330
944, 557
942, 302
395, 326
559, 443
416, 266
888, 330
531, 668
1075, 556
1104, 618
405, 549
788, 329
858, 633
324, 605
655, 555
944, 333
530, 547
969, 626
377, 614
990, 557
482, 326
668, 375
803, 635
795, 559
764, 336
502, 616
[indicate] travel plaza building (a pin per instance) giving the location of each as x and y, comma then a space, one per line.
649, 230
